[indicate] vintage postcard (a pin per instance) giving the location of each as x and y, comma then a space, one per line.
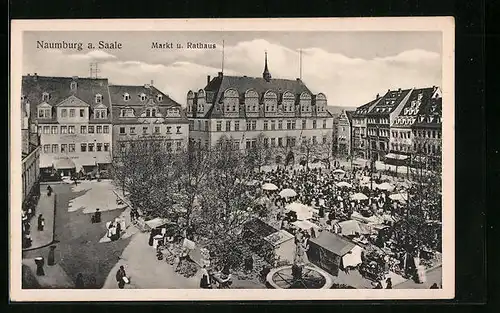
232, 159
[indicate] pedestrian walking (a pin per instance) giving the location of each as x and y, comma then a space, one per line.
79, 283
121, 277
49, 190
388, 283
41, 222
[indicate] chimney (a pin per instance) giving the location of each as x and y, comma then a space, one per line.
298, 79
75, 77
399, 90
35, 76
220, 74
152, 82
208, 79
378, 96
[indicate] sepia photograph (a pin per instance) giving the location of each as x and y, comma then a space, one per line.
244, 156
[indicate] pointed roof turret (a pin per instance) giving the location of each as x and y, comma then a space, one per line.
266, 74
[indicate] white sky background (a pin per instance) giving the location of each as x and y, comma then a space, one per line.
349, 67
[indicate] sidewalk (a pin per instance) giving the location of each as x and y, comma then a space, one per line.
45, 206
55, 276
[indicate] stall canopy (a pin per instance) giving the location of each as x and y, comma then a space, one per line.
395, 156
157, 222
306, 225
269, 186
352, 227
303, 211
331, 252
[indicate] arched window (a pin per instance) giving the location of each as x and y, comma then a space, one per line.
159, 98
73, 86
143, 97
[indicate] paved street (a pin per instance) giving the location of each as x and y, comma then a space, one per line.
433, 276
78, 249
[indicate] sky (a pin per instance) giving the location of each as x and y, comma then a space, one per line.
349, 67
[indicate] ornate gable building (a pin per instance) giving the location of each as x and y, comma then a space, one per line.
72, 115
283, 112
146, 113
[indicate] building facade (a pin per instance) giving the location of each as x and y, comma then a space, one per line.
427, 132
72, 115
30, 155
379, 120
283, 112
146, 113
344, 133
359, 137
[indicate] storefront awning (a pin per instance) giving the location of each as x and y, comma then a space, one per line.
396, 156
65, 163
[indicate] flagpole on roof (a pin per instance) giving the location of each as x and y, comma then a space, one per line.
222, 66
300, 64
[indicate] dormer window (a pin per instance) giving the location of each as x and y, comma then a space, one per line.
98, 98
126, 112
151, 112
45, 96
159, 98
173, 112
44, 113
143, 97
126, 96
100, 113
73, 86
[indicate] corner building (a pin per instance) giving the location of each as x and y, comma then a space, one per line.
72, 115
284, 112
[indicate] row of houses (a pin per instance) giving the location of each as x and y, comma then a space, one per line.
83, 123
399, 125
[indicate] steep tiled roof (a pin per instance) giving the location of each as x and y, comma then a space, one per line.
365, 108
414, 98
58, 88
431, 109
118, 101
389, 102
259, 84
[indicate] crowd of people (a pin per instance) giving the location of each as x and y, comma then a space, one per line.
28, 213
336, 203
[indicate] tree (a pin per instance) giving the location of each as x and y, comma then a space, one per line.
145, 170
259, 153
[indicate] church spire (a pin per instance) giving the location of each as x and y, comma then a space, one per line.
266, 75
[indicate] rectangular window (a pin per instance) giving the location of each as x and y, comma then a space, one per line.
273, 125
228, 126
71, 112
64, 148
46, 148
248, 125
99, 147
122, 147
288, 141
91, 147
179, 144
105, 129
273, 142
304, 124
46, 129
168, 129
145, 130
288, 124
83, 147
71, 129
132, 130
157, 129
236, 125
206, 126
248, 144
178, 129
83, 129
314, 140
266, 142
106, 147
280, 124
169, 145
293, 124
314, 123
219, 126
324, 139
71, 147
98, 129
254, 125
266, 125
64, 113
280, 142
54, 129
324, 123
91, 129
122, 130
55, 148
82, 112
64, 129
